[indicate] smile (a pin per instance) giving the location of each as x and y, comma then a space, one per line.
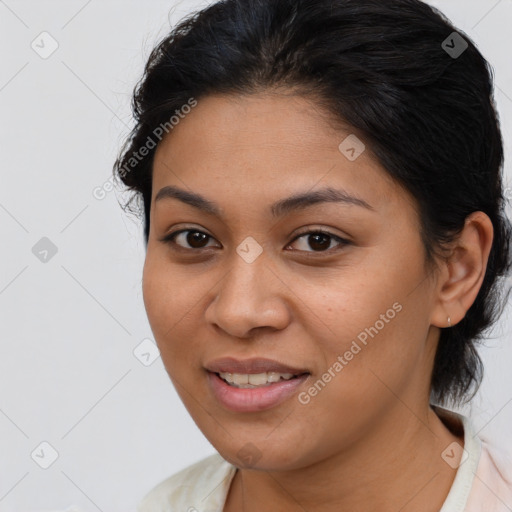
247, 397
254, 380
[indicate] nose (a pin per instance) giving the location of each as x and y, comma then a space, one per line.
250, 296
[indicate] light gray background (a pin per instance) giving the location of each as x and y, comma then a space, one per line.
69, 326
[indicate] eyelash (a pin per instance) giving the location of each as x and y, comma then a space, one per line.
169, 239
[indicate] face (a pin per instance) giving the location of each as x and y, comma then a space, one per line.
332, 288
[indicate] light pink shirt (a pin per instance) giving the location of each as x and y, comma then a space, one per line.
483, 482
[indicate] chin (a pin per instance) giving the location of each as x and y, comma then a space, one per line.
252, 455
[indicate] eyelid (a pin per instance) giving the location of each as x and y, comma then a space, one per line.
171, 236
313, 229
308, 230
342, 242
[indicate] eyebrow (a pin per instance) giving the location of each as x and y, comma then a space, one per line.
278, 209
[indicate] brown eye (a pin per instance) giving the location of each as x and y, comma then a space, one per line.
194, 238
319, 241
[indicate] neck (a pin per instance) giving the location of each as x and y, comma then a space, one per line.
397, 466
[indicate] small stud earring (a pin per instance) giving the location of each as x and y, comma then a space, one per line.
449, 322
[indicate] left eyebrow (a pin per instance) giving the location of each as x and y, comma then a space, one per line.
306, 199
278, 209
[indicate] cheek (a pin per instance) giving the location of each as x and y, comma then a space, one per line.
372, 321
173, 300
164, 300
158, 300
168, 292
346, 305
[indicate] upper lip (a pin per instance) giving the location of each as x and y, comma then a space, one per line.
251, 366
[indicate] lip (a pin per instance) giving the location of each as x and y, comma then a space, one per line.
255, 399
251, 366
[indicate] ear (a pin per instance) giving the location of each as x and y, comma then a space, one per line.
462, 273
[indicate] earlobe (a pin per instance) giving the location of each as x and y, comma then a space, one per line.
464, 271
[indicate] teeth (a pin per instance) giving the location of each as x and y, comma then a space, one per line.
257, 379
254, 379
240, 379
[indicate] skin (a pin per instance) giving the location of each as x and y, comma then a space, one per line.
369, 440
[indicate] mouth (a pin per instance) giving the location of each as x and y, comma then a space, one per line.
253, 385
252, 366
256, 380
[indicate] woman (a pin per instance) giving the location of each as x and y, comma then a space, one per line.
325, 234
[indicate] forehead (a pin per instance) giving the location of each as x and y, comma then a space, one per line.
223, 123
264, 145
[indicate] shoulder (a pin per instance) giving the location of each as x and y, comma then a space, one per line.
201, 486
483, 482
492, 486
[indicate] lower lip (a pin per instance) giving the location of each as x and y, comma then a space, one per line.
255, 399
